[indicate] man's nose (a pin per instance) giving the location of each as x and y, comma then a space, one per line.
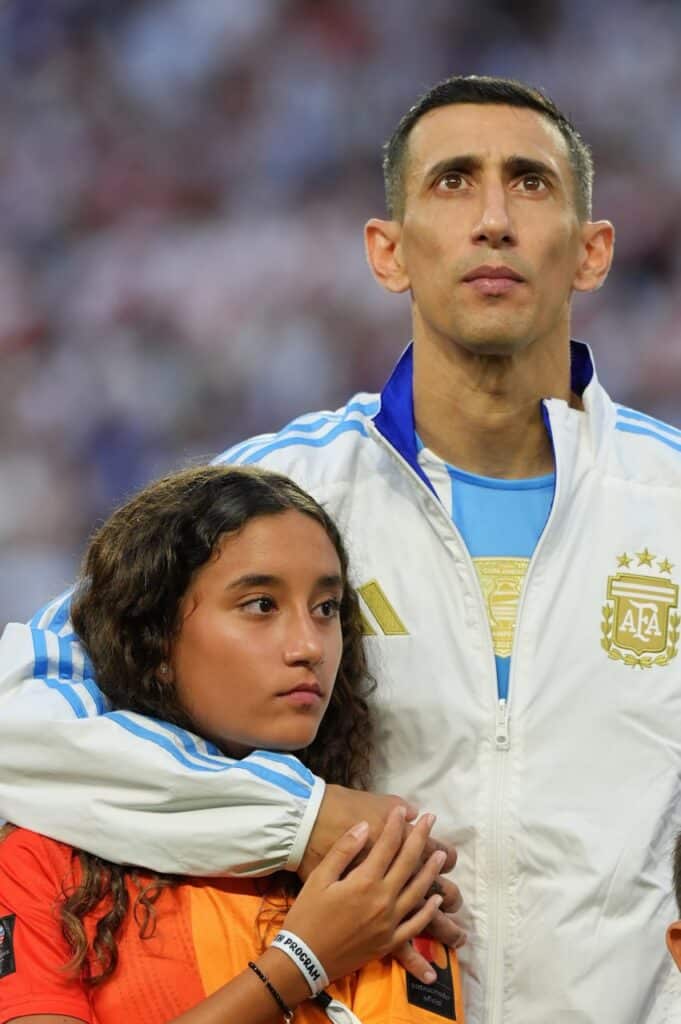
494, 226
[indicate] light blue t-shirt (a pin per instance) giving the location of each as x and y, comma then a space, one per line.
500, 522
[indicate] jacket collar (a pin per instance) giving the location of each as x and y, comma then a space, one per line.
395, 417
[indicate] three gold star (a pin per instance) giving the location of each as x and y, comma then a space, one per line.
645, 557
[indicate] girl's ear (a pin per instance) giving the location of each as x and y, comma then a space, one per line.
164, 673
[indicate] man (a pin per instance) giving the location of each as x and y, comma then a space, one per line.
516, 539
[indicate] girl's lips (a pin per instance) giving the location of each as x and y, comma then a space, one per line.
303, 696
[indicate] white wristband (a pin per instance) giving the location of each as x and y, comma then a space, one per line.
307, 963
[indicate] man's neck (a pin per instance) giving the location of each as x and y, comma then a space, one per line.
483, 413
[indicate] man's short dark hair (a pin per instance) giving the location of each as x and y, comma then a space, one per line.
490, 91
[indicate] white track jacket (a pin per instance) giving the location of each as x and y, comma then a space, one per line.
563, 803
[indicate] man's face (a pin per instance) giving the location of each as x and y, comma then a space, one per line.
489, 191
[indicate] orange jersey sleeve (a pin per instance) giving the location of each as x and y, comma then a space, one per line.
155, 980
33, 952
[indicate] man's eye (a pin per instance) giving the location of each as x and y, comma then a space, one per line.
451, 181
533, 183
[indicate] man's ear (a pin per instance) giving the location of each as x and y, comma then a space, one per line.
597, 247
674, 942
383, 244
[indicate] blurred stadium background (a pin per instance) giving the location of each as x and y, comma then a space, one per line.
183, 185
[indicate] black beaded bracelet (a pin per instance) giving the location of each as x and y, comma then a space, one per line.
286, 1010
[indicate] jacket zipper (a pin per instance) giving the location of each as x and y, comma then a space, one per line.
502, 743
496, 920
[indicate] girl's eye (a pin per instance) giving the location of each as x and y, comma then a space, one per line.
329, 608
259, 605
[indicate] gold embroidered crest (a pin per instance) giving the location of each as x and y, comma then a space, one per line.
640, 619
501, 580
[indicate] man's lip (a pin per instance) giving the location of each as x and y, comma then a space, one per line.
492, 273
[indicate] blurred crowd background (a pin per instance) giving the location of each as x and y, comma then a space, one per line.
183, 185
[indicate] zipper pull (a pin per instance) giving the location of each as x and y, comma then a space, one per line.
501, 732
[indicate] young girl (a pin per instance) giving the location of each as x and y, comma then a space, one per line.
217, 601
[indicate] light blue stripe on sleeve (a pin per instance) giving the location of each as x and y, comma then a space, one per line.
60, 685
65, 659
69, 695
88, 669
292, 428
234, 453
629, 428
56, 611
35, 621
188, 741
309, 442
39, 653
62, 614
290, 762
274, 778
298, 427
85, 675
98, 699
134, 727
641, 417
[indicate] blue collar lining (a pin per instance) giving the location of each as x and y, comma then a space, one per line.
395, 417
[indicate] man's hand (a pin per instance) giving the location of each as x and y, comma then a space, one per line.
342, 808
442, 927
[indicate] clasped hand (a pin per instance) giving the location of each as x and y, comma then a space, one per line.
382, 883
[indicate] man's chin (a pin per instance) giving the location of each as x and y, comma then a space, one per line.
492, 345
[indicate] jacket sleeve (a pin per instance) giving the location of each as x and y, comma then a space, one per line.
130, 788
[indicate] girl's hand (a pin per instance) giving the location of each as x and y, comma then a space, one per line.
378, 905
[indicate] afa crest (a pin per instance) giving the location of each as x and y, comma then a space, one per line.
640, 624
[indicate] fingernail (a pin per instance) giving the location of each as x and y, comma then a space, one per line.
430, 819
429, 977
360, 829
439, 857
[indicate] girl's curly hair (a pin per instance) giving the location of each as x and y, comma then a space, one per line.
125, 609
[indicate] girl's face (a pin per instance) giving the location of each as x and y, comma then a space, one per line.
260, 638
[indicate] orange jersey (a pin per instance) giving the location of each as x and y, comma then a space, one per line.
205, 934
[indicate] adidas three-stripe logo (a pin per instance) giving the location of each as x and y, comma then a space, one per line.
382, 613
